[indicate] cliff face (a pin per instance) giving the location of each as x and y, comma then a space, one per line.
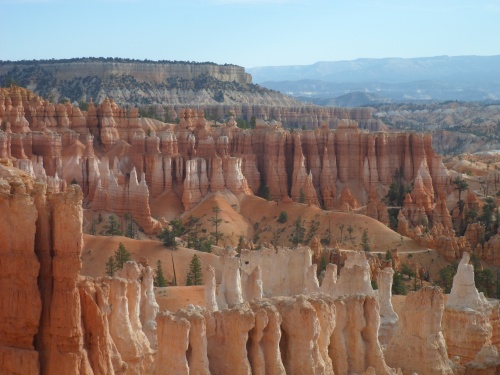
146, 71
132, 82
52, 320
343, 168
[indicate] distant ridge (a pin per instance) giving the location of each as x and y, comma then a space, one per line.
390, 70
469, 78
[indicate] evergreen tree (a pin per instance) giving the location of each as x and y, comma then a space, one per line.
322, 265
215, 223
122, 256
283, 217
194, 276
299, 232
177, 227
129, 226
92, 227
168, 238
365, 241
446, 275
350, 229
112, 227
489, 218
312, 231
302, 196
110, 267
159, 279
398, 285
483, 278
460, 185
264, 192
341, 227
397, 190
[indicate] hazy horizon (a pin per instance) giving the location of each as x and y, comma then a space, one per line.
249, 33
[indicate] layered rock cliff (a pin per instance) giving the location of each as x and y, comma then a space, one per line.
338, 169
134, 82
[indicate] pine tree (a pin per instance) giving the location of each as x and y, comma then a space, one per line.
194, 276
122, 256
168, 238
112, 228
299, 232
110, 267
365, 241
216, 222
398, 285
302, 196
129, 226
159, 279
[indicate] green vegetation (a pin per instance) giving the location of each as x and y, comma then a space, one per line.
302, 196
460, 185
194, 276
112, 228
446, 275
341, 228
322, 265
398, 190
283, 217
365, 241
194, 239
122, 256
398, 285
299, 232
311, 231
130, 227
350, 229
110, 267
215, 220
159, 278
168, 238
264, 191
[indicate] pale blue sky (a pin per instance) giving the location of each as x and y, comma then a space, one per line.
247, 32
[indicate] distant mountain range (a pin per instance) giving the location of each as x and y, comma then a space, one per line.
465, 78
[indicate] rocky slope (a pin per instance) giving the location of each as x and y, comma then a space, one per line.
136, 83
457, 127
60, 321
124, 163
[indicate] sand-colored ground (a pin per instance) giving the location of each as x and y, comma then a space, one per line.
98, 249
265, 213
167, 206
179, 297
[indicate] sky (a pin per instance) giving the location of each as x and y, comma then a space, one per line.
249, 33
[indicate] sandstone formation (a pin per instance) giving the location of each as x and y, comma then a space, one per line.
193, 159
60, 322
262, 338
469, 318
388, 317
418, 344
